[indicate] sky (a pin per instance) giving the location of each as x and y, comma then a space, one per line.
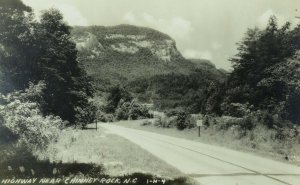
207, 29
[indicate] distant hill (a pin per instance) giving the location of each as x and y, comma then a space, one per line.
143, 60
208, 66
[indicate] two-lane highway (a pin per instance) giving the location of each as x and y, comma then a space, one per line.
211, 165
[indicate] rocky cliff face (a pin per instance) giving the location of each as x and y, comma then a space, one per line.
124, 39
162, 49
122, 54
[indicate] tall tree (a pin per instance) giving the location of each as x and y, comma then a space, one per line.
16, 45
265, 71
31, 51
68, 86
258, 51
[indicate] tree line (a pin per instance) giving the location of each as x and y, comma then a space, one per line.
265, 74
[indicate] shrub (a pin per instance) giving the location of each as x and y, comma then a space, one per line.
192, 122
100, 116
226, 122
178, 117
165, 122
24, 119
146, 122
238, 109
174, 112
138, 112
206, 121
109, 118
158, 122
247, 123
116, 96
131, 110
182, 120
122, 112
86, 114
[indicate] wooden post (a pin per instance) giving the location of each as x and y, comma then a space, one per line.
199, 125
96, 126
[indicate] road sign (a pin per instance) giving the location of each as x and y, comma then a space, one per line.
199, 123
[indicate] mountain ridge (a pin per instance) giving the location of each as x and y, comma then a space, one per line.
120, 54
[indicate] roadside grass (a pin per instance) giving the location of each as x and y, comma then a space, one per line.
33, 168
117, 158
255, 142
117, 155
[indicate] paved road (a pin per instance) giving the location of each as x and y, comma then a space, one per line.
211, 165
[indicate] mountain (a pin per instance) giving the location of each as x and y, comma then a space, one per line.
208, 66
147, 63
123, 53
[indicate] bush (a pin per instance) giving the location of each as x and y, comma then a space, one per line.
158, 122
116, 96
109, 118
139, 112
238, 109
206, 121
131, 110
24, 119
85, 115
176, 117
122, 112
182, 120
100, 116
146, 122
226, 122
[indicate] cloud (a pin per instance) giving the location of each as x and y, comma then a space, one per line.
191, 53
264, 18
130, 17
71, 14
177, 27
216, 45
149, 18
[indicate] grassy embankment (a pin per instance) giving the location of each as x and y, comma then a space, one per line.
87, 153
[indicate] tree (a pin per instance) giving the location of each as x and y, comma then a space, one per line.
261, 49
68, 87
265, 72
284, 80
116, 95
16, 45
31, 51
258, 51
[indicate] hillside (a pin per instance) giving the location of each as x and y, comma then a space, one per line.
124, 53
113, 55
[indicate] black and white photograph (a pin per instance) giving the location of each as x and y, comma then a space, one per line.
146, 92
